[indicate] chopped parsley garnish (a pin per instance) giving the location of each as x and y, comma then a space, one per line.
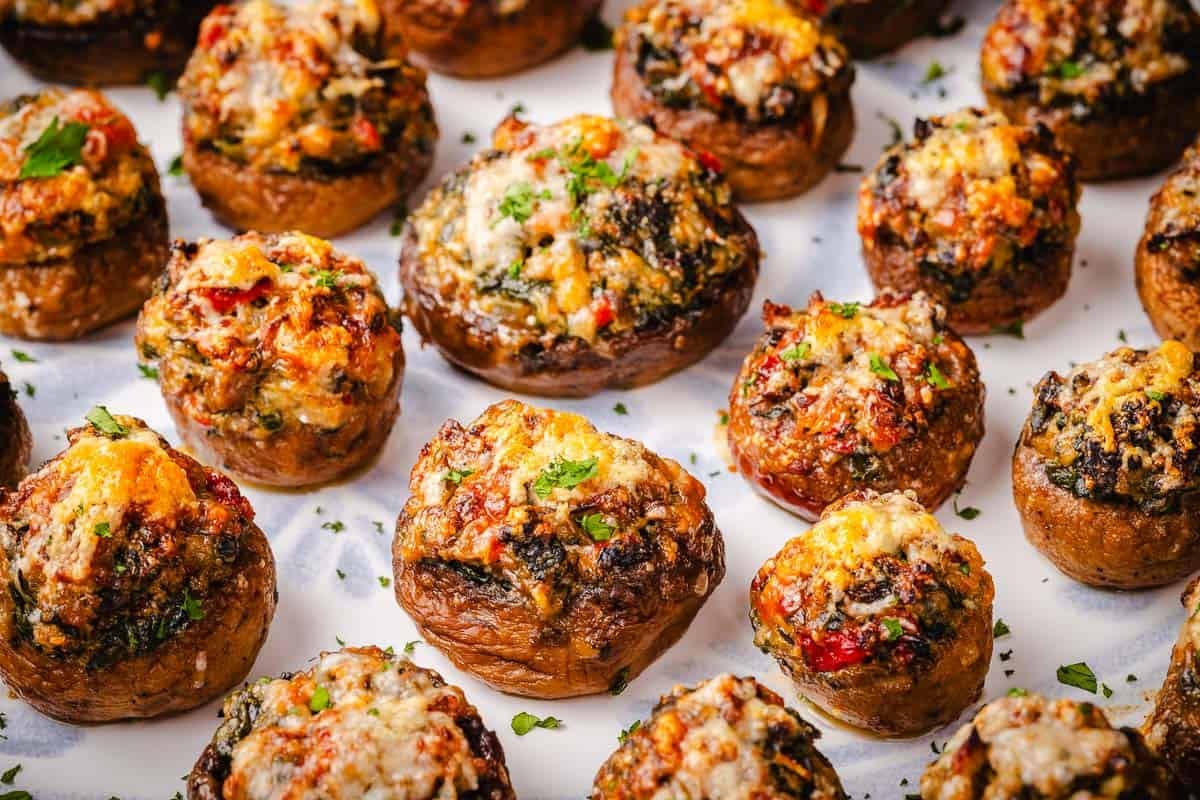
514, 270
897, 131
596, 527
59, 147
104, 422
625, 734
797, 352
1006, 655
10, 774
881, 368
964, 568
1000, 629
411, 647
378, 526
935, 71
191, 607
1157, 397
1079, 675
385, 581
524, 722
517, 203
845, 310
1106, 690
564, 474
893, 628
327, 279
175, 168
596, 35
935, 378
619, 682
1016, 329
966, 512
468, 137
620, 410
456, 476
341, 575
148, 371
30, 389
160, 84
23, 357
335, 525
103, 530
1067, 70
723, 418
341, 642
319, 700
1016, 691
1131, 678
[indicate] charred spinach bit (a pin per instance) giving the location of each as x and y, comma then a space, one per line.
319, 700
524, 722
625, 734
596, 527
865, 467
620, 682
104, 422
456, 476
59, 147
192, 607
564, 474
1079, 675
270, 420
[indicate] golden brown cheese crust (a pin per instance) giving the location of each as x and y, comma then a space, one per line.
278, 353
728, 737
877, 593
843, 396
72, 12
591, 552
755, 60
976, 211
359, 721
1173, 728
1053, 749
125, 563
112, 185
577, 244
307, 89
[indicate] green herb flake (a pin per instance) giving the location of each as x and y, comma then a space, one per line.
10, 774
59, 147
1016, 691
23, 357
20, 794
564, 474
596, 36
620, 410
517, 203
341, 575
935, 71
160, 84
524, 722
378, 526
1015, 329
411, 647
624, 735
893, 628
881, 368
104, 422
935, 378
319, 700
468, 138
175, 168
102, 530
30, 389
148, 372
192, 607
327, 279
964, 568
334, 525
385, 581
966, 512
1131, 678
341, 642
797, 352
456, 476
1067, 70
1079, 675
1000, 629
845, 310
596, 527
620, 682
1106, 690
1157, 397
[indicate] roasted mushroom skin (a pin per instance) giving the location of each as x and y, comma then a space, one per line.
1106, 468
1167, 263
725, 737
136, 581
16, 441
870, 28
358, 720
1173, 728
550, 559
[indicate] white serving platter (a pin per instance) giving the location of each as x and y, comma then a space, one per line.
810, 244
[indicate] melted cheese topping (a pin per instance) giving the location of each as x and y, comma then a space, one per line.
71, 12
760, 54
585, 229
970, 193
1088, 54
309, 323
87, 202
728, 738
1030, 746
386, 730
1175, 209
280, 87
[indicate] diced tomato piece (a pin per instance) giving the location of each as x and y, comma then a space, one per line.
367, 134
224, 300
603, 312
211, 33
227, 492
709, 160
837, 649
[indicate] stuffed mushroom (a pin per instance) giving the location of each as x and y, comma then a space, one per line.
1173, 727
16, 442
1107, 468
137, 583
879, 616
487, 38
843, 396
976, 211
872, 27
101, 42
84, 222
550, 559
1029, 746
1117, 82
320, 142
579, 256
729, 738
1167, 263
753, 84
277, 356
360, 722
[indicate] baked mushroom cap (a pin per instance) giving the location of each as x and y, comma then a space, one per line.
550, 559
101, 42
579, 256
1173, 729
871, 27
487, 38
755, 84
85, 228
321, 143
360, 722
1167, 264
1107, 468
728, 737
978, 212
277, 355
136, 581
843, 396
1119, 83
1029, 746
16, 441
880, 616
